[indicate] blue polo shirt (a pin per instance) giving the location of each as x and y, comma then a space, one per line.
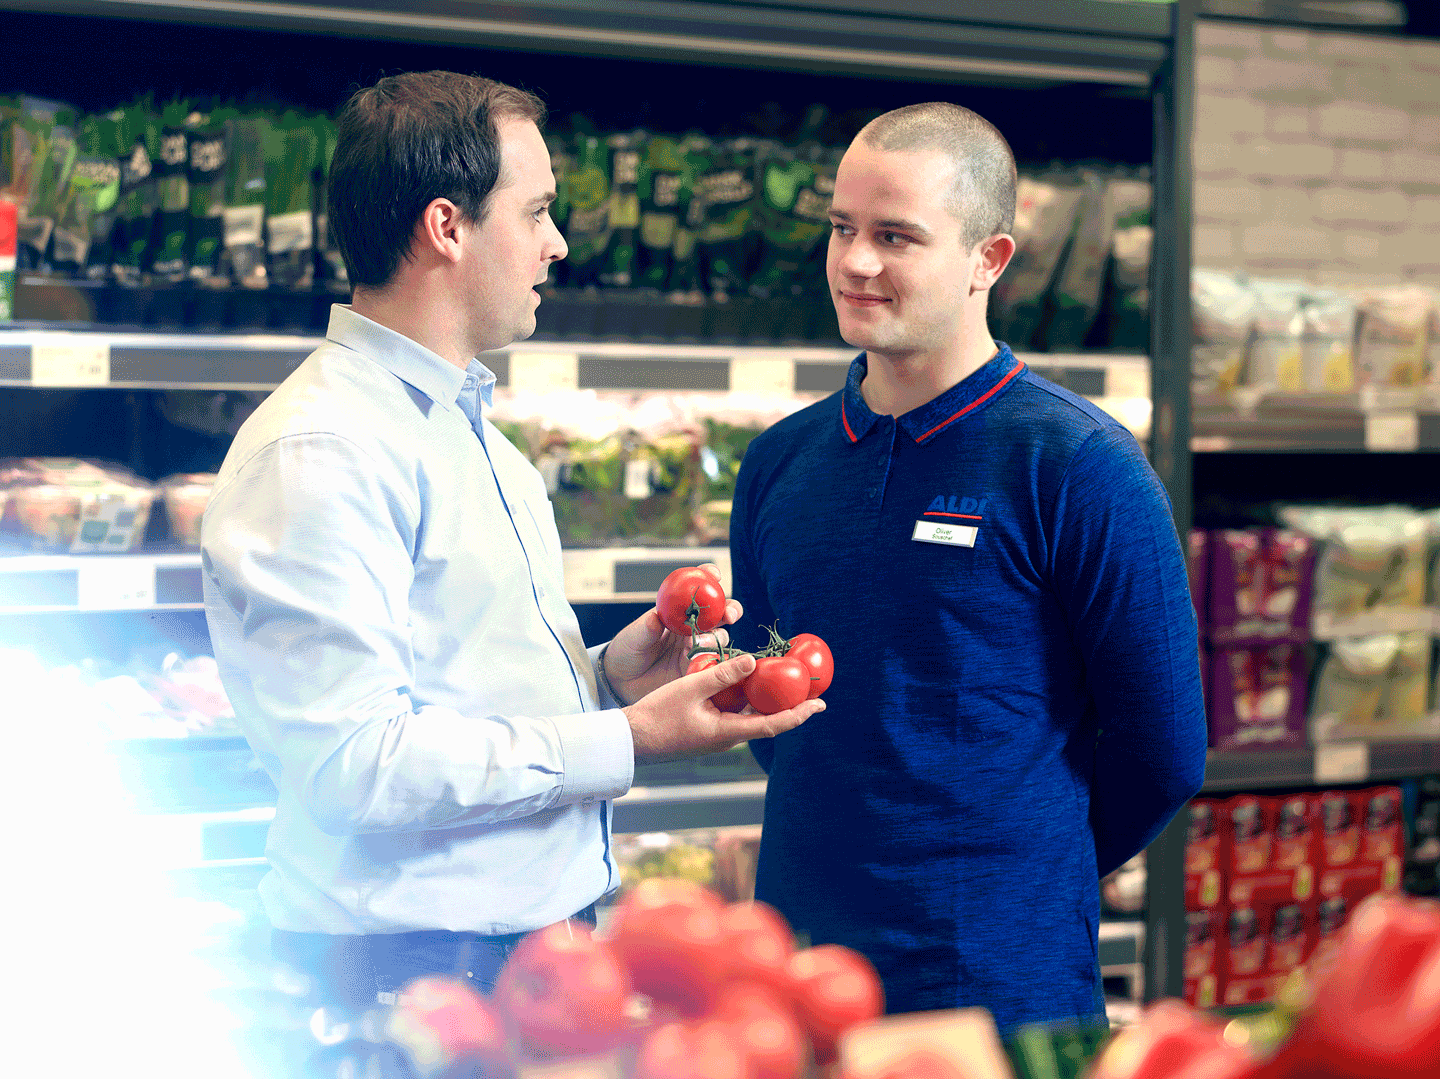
1016, 707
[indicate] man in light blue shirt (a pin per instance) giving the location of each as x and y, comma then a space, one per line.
384, 591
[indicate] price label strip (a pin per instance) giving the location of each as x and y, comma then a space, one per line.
544, 372
115, 584
1392, 432
70, 363
762, 374
589, 575
1342, 762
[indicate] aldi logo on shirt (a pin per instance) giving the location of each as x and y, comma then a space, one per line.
952, 520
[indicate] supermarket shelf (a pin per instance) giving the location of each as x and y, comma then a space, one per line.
1339, 764
963, 40
128, 360
36, 584
33, 584
1375, 419
237, 837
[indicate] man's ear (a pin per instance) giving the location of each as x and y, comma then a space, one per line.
437, 233
995, 255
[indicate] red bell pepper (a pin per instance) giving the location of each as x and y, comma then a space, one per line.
1374, 1011
1174, 1041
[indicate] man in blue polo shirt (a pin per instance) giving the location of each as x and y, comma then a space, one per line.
1016, 706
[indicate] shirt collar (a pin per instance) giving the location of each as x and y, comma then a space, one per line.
968, 396
408, 360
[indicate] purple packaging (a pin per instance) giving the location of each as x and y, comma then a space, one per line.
1197, 568
1256, 697
1261, 582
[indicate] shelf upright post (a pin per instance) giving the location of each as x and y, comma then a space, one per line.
1170, 331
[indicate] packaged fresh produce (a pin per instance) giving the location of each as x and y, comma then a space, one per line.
664, 183
85, 212
619, 260
64, 504
685, 855
1224, 316
1075, 296
1045, 215
1392, 345
792, 217
43, 153
138, 135
185, 497
242, 258
587, 232
205, 176
1327, 348
1276, 349
1130, 253
172, 177
727, 191
292, 153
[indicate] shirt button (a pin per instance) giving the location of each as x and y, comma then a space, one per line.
540, 590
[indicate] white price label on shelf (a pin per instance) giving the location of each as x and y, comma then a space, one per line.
1392, 432
1342, 762
589, 575
543, 372
762, 374
115, 584
67, 363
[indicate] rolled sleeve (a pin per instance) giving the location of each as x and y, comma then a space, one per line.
598, 754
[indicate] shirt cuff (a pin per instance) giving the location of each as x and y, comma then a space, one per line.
598, 754
603, 696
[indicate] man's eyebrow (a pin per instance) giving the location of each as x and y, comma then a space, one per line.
896, 223
542, 200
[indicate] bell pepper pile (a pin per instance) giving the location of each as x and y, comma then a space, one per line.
1369, 1010
680, 986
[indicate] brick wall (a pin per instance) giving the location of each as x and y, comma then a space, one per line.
1317, 155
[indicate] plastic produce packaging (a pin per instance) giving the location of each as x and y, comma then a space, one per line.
185, 497
1327, 348
1045, 214
1224, 317
1130, 254
730, 422
1373, 687
63, 504
1371, 558
1075, 298
1394, 323
1276, 352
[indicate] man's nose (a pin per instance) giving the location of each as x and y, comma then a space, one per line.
860, 260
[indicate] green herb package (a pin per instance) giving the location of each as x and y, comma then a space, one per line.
172, 179
792, 216
1045, 212
46, 149
1075, 298
138, 134
207, 157
728, 190
664, 190
242, 257
686, 275
86, 215
587, 232
332, 263
618, 265
291, 154
562, 163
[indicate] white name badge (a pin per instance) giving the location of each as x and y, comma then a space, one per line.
955, 535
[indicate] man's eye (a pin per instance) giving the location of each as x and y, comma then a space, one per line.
894, 239
835, 226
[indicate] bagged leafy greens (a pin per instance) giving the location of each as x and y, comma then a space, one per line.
46, 149
792, 216
291, 154
138, 134
206, 151
663, 188
588, 228
618, 266
1045, 213
727, 188
242, 258
172, 180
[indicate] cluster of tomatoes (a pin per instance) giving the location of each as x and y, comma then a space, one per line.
682, 986
787, 672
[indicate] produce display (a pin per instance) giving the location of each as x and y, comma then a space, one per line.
1258, 336
62, 504
1322, 630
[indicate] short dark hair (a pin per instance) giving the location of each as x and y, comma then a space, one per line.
404, 142
984, 194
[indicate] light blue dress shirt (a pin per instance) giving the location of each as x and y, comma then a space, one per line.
385, 595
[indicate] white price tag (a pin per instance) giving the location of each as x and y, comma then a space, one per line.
762, 374
1393, 432
543, 372
115, 584
65, 363
1343, 762
589, 574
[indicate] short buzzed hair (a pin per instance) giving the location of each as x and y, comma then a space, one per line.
983, 198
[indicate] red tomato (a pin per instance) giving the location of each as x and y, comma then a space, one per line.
564, 992
729, 699
766, 1027
709, 1050
439, 1020
835, 988
777, 683
690, 601
668, 933
759, 944
815, 654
